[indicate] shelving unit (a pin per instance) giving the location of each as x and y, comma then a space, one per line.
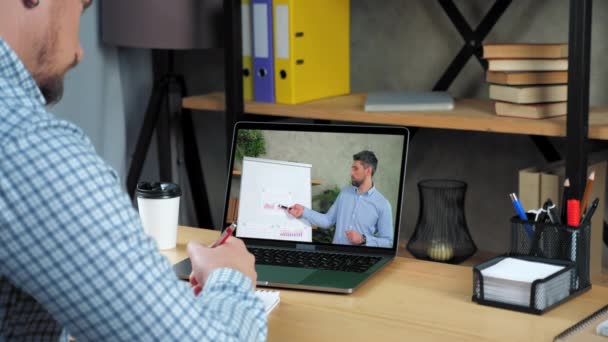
469, 114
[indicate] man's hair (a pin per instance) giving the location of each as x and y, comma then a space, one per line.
367, 158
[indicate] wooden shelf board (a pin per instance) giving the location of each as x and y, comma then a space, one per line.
238, 173
468, 114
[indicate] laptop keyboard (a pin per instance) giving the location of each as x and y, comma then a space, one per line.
315, 260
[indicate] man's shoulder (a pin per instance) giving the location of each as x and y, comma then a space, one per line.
347, 189
380, 197
19, 123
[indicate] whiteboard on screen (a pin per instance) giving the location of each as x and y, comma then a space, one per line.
265, 186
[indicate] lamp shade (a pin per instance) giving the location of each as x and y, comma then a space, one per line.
162, 24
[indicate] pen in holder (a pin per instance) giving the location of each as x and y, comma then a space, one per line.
554, 241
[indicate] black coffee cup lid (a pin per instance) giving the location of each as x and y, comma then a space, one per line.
158, 190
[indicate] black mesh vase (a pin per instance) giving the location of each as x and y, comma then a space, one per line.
441, 232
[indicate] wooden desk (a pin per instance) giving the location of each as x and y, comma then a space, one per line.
408, 300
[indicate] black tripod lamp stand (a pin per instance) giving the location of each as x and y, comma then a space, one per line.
165, 26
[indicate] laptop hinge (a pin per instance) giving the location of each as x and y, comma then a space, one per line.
303, 247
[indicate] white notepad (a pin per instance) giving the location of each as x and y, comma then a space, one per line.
510, 281
270, 299
520, 270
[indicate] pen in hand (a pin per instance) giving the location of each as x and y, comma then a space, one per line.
196, 287
225, 235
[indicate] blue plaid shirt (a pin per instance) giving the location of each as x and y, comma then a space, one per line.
73, 255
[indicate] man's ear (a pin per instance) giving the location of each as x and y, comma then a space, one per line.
31, 3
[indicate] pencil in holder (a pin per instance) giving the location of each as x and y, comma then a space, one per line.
554, 241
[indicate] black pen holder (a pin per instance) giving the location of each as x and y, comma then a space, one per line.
554, 241
549, 243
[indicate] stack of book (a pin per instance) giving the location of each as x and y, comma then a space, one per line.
528, 80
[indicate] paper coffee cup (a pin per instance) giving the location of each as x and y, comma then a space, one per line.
159, 211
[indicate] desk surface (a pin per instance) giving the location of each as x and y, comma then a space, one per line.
468, 114
408, 300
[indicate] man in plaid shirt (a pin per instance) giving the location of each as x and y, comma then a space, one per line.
74, 259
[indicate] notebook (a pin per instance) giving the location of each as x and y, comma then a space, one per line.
270, 298
585, 330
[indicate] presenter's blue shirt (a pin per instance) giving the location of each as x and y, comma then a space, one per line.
368, 213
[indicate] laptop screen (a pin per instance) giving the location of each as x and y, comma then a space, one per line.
317, 184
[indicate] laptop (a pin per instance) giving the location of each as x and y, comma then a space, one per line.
350, 228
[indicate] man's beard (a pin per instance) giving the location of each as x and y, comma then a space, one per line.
50, 83
52, 89
355, 182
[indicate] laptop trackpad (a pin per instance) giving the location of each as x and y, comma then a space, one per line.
282, 274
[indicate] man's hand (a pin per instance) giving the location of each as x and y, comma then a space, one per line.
296, 210
232, 254
354, 237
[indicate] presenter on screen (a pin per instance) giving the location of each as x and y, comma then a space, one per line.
361, 214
